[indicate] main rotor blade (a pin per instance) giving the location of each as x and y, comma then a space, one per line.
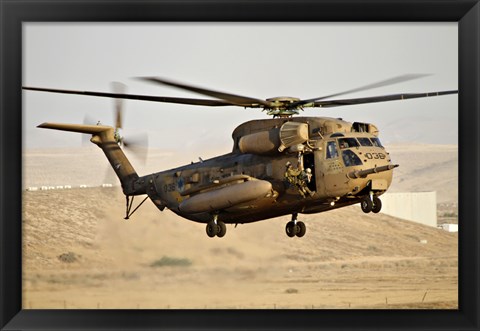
185, 101
233, 98
386, 82
118, 88
381, 98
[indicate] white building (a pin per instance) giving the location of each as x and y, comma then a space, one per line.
420, 207
450, 227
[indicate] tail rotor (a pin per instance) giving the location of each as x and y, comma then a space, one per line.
137, 144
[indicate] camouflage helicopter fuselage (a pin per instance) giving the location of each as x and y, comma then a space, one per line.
260, 164
347, 161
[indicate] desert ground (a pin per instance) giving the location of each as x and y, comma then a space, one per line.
79, 252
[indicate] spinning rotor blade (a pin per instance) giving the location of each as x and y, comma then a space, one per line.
185, 101
234, 99
390, 81
381, 98
137, 145
276, 106
118, 88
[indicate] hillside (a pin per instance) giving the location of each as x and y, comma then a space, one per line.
426, 168
79, 252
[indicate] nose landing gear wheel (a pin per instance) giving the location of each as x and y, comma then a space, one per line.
377, 205
366, 205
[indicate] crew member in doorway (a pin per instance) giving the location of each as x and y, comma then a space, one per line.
299, 178
291, 174
304, 178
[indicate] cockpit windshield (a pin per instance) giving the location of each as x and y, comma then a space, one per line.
376, 142
365, 142
347, 143
350, 158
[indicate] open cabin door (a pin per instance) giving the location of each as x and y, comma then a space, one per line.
309, 162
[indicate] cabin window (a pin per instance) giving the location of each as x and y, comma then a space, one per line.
332, 150
350, 158
365, 142
347, 143
376, 142
360, 127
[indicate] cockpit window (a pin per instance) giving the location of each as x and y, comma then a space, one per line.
347, 143
365, 142
350, 158
376, 142
332, 150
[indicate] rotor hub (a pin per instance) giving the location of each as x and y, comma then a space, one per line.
280, 106
283, 100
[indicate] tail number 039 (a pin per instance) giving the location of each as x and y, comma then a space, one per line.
375, 156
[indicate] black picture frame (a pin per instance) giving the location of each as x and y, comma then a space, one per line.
14, 13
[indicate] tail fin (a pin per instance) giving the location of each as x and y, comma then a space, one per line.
103, 137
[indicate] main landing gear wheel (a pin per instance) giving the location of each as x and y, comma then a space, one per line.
291, 229
377, 205
294, 228
301, 229
222, 229
366, 205
212, 229
219, 229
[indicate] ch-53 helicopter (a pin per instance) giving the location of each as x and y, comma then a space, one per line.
338, 163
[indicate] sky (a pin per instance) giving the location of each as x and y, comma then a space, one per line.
260, 60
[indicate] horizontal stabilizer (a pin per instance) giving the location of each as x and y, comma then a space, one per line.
82, 128
103, 136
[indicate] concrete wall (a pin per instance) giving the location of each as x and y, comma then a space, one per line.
420, 207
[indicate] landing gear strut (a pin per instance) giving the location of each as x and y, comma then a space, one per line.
295, 228
129, 206
371, 203
216, 228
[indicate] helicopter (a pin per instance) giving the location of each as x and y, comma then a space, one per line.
285, 165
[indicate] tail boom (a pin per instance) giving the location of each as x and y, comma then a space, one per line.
103, 137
